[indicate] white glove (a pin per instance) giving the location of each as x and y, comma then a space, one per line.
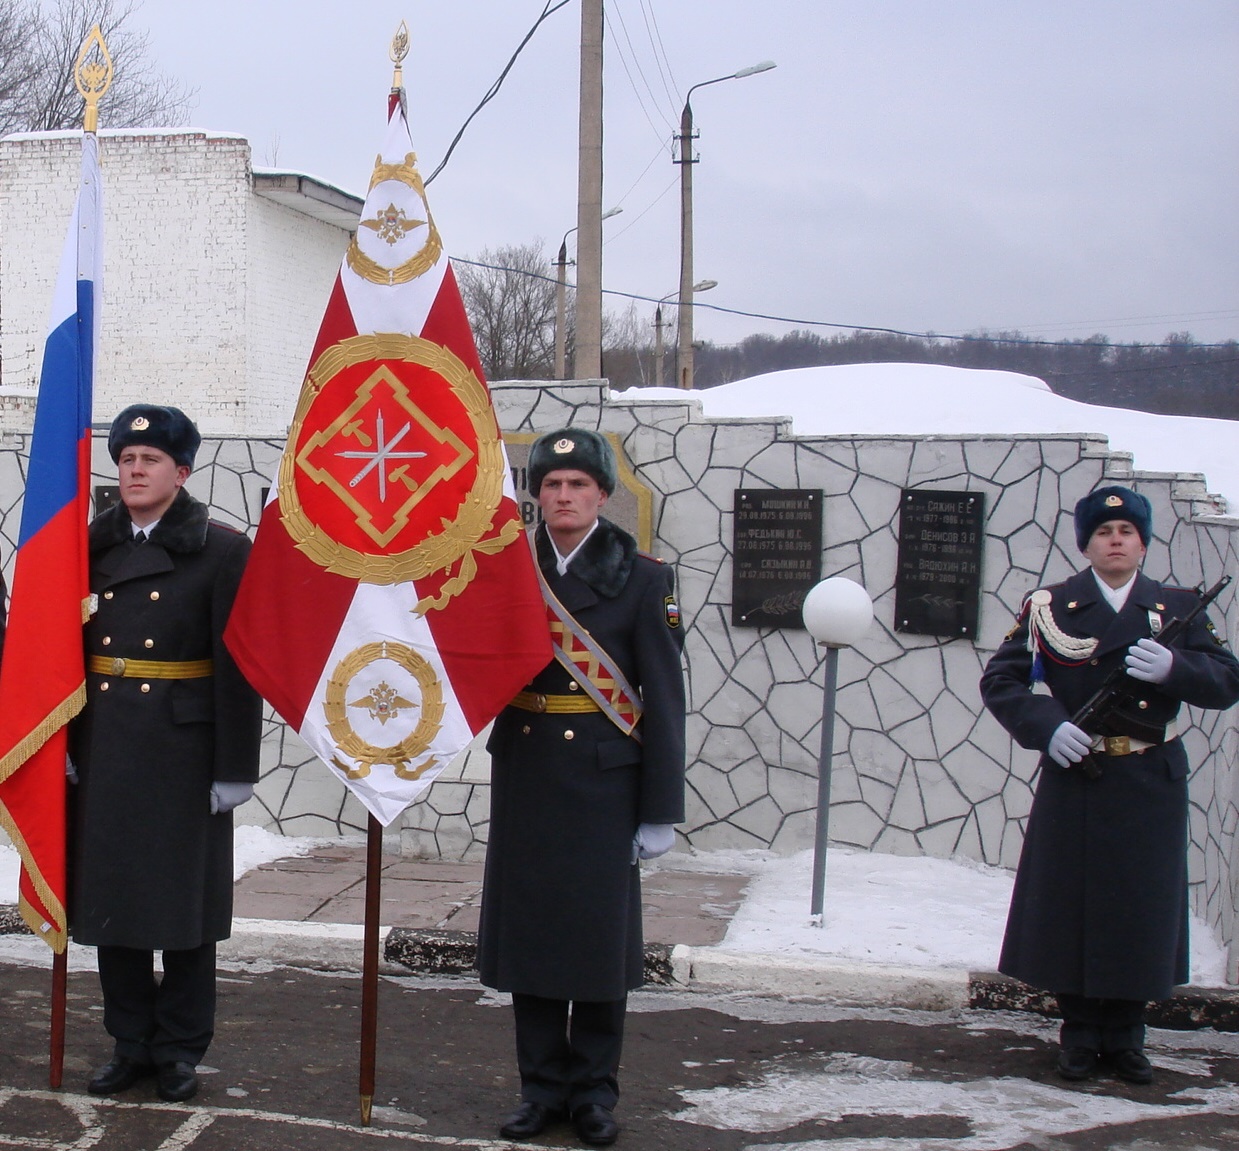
226, 796
1147, 660
1068, 744
652, 840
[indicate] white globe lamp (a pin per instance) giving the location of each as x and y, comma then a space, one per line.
837, 612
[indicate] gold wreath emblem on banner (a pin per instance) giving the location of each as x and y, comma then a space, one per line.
399, 755
458, 540
391, 221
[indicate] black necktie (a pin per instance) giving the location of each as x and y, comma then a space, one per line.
139, 537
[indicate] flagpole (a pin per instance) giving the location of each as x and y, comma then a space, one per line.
374, 829
370, 966
92, 75
60, 982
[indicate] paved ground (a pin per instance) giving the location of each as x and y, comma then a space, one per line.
328, 887
827, 1058
702, 1072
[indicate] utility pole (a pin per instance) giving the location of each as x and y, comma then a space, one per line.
587, 361
561, 309
658, 346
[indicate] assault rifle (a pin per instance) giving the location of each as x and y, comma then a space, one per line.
1116, 699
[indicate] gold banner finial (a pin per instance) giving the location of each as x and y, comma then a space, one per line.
92, 74
399, 50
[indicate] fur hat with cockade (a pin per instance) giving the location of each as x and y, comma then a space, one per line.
1113, 503
577, 448
168, 429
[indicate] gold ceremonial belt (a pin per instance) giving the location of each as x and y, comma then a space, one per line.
150, 668
1129, 745
555, 704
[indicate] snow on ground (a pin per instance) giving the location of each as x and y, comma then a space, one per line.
887, 909
890, 909
933, 399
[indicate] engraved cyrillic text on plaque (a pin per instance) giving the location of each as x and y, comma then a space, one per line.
776, 555
938, 572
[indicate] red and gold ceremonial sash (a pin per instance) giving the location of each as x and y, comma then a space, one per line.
581, 656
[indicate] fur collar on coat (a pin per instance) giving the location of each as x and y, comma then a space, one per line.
605, 561
183, 527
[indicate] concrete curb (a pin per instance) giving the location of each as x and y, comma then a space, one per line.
837, 981
339, 947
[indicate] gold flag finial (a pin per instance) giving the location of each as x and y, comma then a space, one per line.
399, 50
92, 74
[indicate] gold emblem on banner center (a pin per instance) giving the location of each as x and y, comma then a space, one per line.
385, 457
416, 681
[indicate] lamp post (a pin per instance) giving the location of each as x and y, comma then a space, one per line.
561, 306
700, 286
837, 612
684, 339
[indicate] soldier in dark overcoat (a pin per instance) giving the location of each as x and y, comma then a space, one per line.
577, 796
1099, 911
166, 747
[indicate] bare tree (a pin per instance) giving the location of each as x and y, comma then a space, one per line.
17, 64
510, 299
37, 92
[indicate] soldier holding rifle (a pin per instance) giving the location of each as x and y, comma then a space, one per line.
1099, 911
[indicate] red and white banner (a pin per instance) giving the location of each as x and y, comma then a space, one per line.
390, 608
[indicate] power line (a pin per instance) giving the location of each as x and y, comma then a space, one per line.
494, 88
802, 323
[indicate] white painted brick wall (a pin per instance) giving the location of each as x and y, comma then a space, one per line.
212, 294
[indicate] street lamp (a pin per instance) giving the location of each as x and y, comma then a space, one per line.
561, 268
684, 341
699, 286
837, 612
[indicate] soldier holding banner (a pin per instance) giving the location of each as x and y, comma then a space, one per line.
587, 777
167, 745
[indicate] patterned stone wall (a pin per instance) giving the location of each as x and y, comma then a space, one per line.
918, 767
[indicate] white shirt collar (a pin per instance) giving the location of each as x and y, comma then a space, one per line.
148, 529
1116, 597
562, 562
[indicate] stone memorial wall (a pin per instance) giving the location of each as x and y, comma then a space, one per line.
918, 767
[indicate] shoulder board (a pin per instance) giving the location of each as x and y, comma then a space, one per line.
226, 527
1049, 589
652, 558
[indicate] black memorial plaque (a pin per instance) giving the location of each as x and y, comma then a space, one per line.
776, 555
938, 578
106, 496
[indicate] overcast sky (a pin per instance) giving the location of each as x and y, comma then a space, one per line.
1052, 166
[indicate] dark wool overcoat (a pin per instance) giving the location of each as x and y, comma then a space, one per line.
152, 867
1100, 901
561, 906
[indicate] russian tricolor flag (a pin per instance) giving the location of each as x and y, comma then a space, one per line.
42, 675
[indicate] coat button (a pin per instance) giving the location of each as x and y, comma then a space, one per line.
109, 594
154, 595
570, 734
107, 639
1094, 662
574, 686
525, 729
103, 686
148, 643
145, 687
1143, 704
